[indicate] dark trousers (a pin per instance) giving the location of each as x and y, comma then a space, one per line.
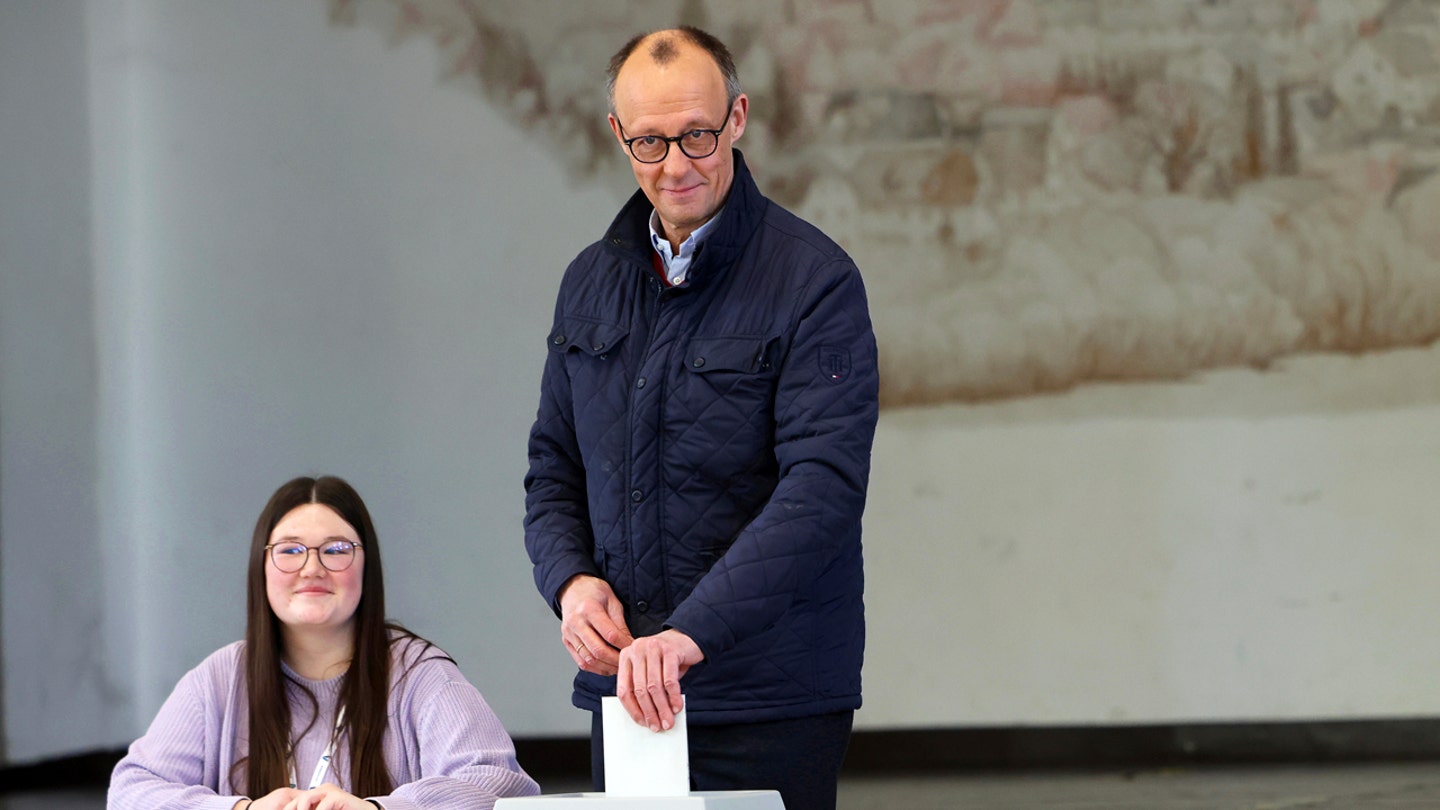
800, 758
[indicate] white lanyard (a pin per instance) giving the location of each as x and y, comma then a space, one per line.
323, 766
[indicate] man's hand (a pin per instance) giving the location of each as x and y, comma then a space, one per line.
592, 624
649, 677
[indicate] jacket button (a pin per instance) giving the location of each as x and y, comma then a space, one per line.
640, 383
637, 496
599, 347
642, 606
558, 339
698, 362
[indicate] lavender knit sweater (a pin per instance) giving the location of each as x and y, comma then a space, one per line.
444, 747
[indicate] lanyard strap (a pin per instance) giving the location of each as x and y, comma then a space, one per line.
323, 766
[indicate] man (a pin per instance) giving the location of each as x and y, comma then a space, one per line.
699, 461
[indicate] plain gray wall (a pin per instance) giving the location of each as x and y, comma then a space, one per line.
57, 692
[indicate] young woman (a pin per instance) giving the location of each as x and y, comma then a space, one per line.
324, 705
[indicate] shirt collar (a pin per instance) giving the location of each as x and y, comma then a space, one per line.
678, 263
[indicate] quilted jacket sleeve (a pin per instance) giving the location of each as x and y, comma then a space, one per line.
826, 407
558, 536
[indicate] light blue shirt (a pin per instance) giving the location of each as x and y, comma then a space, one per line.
678, 263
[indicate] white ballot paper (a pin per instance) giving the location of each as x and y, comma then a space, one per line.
641, 762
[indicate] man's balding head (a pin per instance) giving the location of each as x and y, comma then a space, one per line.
664, 47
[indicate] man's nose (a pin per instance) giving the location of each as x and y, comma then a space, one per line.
676, 162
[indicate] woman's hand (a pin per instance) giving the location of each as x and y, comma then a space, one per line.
274, 800
327, 797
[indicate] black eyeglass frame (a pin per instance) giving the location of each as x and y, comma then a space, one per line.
354, 545
678, 139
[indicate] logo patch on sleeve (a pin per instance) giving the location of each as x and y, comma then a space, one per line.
835, 363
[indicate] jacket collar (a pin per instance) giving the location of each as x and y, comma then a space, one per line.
629, 233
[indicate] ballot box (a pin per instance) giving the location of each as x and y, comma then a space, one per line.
646, 770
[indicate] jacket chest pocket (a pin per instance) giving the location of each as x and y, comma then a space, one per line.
727, 355
591, 350
727, 380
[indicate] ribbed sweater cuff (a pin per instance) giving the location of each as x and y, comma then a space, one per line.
393, 803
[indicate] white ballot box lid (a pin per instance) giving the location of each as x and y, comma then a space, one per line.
698, 800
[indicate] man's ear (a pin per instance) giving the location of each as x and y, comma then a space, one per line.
615, 128
738, 115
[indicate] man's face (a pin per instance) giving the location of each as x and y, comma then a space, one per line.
686, 93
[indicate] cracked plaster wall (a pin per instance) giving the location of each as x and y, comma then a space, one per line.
1047, 193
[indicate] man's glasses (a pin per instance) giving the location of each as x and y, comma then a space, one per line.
335, 555
695, 144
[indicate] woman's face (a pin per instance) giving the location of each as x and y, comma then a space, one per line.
314, 597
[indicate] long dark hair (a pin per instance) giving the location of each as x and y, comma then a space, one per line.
365, 688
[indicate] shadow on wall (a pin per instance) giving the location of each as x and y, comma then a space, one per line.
1044, 194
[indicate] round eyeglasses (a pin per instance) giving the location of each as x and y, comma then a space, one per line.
335, 555
695, 144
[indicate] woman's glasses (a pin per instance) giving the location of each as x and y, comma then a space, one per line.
335, 555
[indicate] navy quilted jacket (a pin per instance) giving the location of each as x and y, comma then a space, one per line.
705, 449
